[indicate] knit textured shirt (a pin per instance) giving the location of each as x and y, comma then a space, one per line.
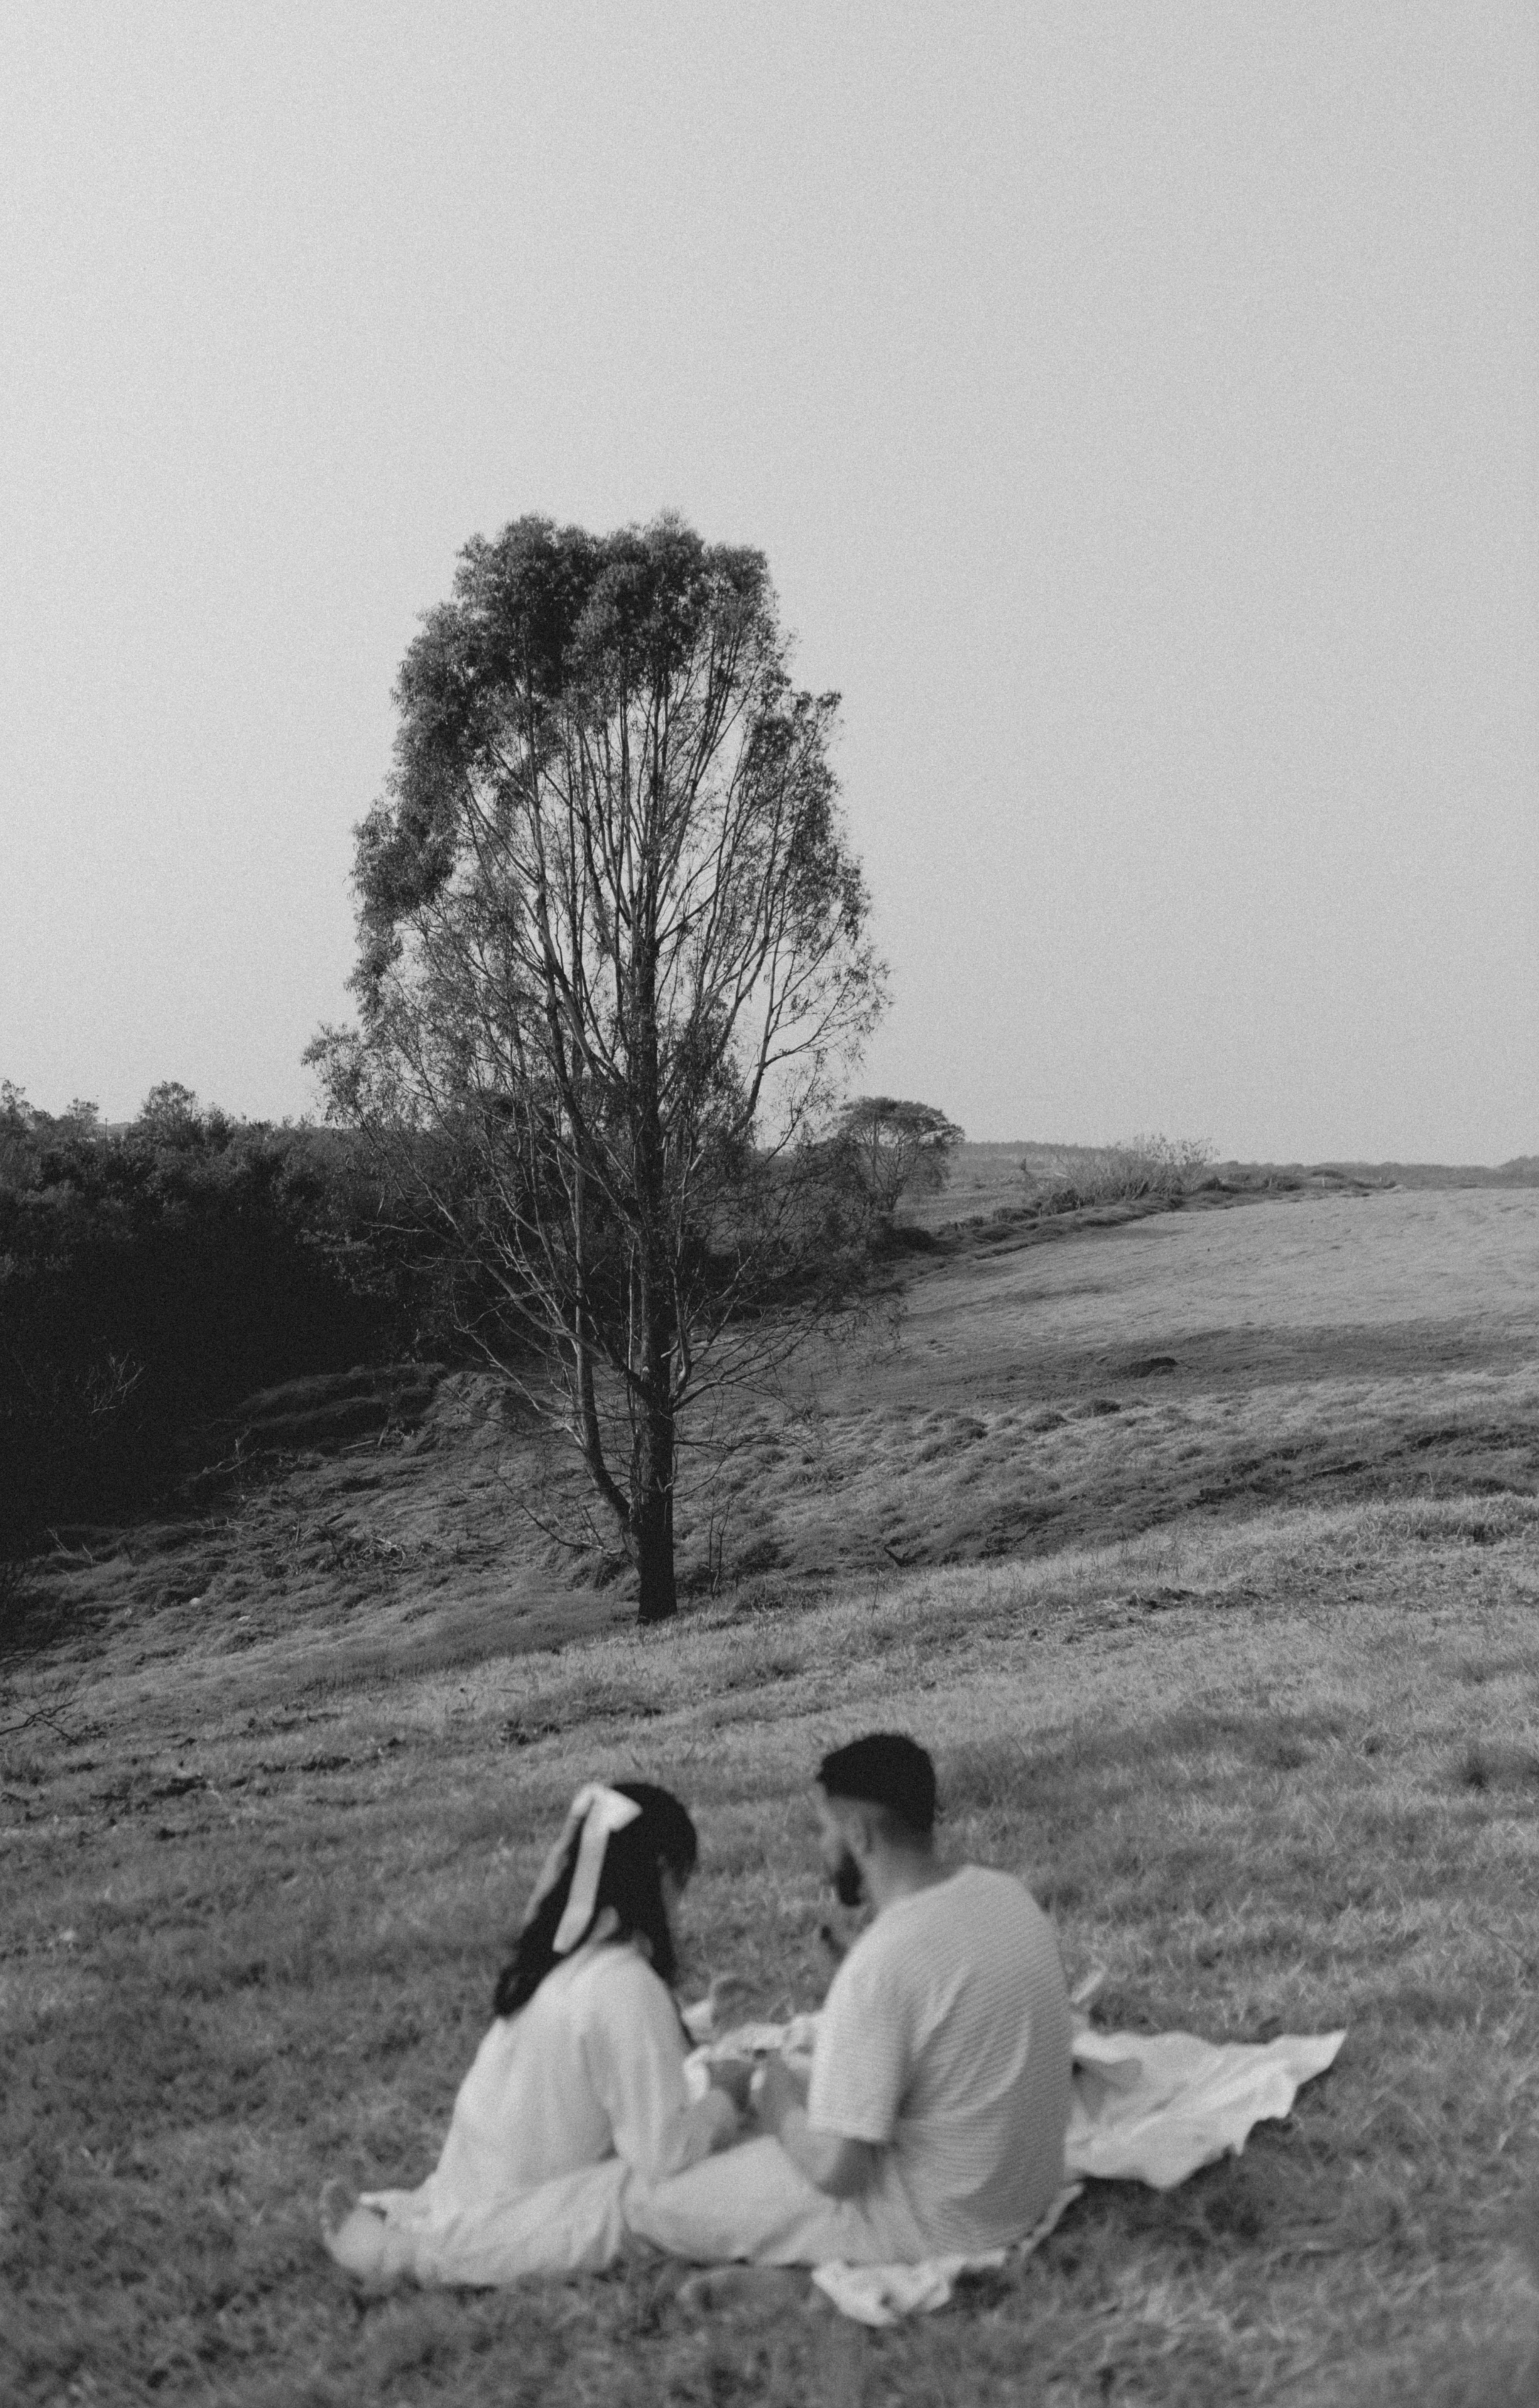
946, 2039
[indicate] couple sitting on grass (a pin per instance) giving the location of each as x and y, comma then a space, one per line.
933, 2122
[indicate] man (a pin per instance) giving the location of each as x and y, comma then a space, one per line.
933, 2122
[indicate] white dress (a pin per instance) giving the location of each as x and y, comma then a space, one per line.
566, 2101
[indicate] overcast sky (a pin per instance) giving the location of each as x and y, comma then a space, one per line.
1139, 405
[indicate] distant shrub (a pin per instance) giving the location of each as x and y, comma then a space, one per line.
1077, 1175
896, 1149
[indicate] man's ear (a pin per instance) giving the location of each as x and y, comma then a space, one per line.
863, 1827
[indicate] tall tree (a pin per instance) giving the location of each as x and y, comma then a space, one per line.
612, 953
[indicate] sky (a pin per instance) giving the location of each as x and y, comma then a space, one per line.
1137, 402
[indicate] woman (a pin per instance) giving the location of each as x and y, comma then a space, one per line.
579, 2084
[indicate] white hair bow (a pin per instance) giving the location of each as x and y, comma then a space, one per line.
599, 1813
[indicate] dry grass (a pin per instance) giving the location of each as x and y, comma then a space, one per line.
1278, 1776
1074, 1176
1274, 1767
1016, 1397
993, 1178
1035, 1396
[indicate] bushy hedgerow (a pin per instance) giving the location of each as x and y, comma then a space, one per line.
152, 1276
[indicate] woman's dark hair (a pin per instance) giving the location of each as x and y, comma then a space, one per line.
631, 1883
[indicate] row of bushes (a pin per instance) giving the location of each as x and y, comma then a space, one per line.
152, 1275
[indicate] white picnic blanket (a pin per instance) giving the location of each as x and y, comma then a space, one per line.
1152, 2109
1143, 2108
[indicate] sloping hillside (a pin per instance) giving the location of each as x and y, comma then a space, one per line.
1027, 1390
1034, 1395
274, 1799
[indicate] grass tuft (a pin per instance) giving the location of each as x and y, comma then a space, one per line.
1487, 1764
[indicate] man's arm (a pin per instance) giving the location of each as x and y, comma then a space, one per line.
832, 2163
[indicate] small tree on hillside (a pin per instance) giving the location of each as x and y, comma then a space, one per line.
612, 950
898, 1149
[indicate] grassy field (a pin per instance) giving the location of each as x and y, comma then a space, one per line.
987, 1178
1241, 1674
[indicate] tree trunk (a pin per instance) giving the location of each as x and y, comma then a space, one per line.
589, 1434
652, 1453
652, 1514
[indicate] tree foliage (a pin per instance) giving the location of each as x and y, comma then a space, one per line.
612, 956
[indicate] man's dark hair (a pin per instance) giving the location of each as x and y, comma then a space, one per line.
888, 1770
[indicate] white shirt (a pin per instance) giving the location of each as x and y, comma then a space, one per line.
945, 2039
566, 2101
593, 2067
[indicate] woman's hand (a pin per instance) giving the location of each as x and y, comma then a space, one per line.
733, 2075
702, 2021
